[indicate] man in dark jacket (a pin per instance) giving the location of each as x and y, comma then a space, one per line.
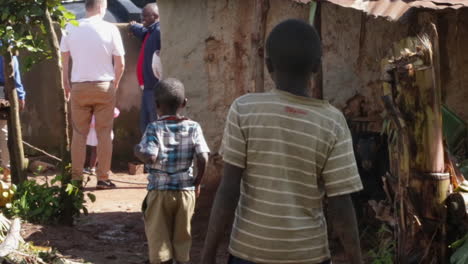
150, 34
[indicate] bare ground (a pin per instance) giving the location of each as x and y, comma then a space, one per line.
113, 232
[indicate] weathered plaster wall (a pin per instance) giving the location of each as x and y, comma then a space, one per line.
207, 45
354, 45
41, 118
453, 32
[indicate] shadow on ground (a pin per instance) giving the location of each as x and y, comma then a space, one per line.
116, 237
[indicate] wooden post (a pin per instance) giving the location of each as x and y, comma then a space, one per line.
258, 43
316, 20
15, 138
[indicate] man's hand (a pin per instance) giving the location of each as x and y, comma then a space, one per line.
197, 190
67, 88
119, 67
65, 74
22, 104
130, 24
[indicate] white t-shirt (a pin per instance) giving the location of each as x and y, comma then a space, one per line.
92, 45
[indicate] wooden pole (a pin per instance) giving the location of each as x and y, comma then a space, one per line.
15, 145
258, 43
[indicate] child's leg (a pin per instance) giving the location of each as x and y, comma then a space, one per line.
159, 225
88, 154
93, 157
182, 239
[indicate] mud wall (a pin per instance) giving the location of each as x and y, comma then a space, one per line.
207, 45
41, 118
454, 60
354, 45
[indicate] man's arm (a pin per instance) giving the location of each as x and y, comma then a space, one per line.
66, 73
137, 29
223, 210
343, 218
119, 67
18, 84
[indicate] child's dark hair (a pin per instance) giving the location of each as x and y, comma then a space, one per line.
170, 93
293, 46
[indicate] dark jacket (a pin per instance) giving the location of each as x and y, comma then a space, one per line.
153, 43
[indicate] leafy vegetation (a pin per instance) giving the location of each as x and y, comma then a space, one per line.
460, 254
22, 27
43, 202
384, 252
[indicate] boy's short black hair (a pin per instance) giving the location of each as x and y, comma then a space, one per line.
293, 46
170, 93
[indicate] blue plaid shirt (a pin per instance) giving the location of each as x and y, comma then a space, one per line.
174, 142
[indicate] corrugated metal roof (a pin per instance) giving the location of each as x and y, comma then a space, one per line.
394, 9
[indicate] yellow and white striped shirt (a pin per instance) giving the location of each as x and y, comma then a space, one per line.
295, 150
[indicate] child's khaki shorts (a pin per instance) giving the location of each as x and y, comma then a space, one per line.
167, 225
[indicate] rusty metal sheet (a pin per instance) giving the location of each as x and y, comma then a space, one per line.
394, 9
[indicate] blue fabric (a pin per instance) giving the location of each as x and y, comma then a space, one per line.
148, 109
153, 43
18, 84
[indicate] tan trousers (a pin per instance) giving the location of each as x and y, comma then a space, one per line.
167, 225
90, 98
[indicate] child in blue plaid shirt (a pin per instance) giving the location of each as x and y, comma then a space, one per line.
169, 147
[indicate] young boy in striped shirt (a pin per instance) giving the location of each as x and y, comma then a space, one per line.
283, 153
169, 146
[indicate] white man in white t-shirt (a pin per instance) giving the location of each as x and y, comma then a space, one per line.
96, 49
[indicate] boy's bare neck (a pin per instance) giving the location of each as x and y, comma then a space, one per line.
297, 85
168, 112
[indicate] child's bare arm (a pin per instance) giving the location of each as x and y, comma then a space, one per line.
343, 218
144, 156
202, 160
222, 213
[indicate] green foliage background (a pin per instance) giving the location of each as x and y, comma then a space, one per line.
22, 27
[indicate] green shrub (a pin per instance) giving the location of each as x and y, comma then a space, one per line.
44, 203
384, 252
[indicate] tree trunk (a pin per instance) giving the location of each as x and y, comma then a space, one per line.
67, 203
15, 139
417, 155
56, 58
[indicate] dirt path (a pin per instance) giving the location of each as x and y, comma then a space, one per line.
113, 231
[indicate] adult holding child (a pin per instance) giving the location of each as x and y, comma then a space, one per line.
96, 49
150, 35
